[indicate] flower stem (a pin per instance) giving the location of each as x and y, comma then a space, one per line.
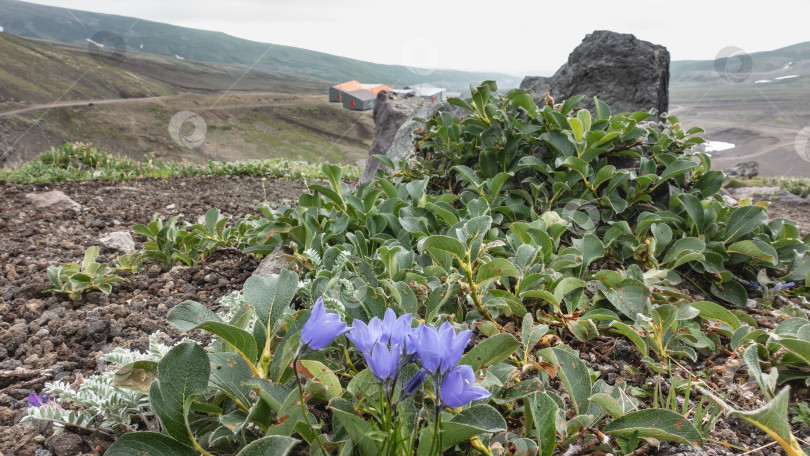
301, 401
437, 433
437, 419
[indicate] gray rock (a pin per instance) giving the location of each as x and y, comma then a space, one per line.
393, 125
119, 240
788, 197
97, 330
14, 336
9, 292
397, 113
729, 200
744, 169
65, 444
41, 452
626, 73
273, 263
53, 200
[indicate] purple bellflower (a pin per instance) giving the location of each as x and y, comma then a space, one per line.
36, 400
384, 363
458, 387
414, 382
389, 331
321, 328
365, 336
395, 330
438, 350
784, 286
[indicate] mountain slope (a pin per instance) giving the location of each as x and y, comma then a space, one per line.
75, 27
34, 71
787, 61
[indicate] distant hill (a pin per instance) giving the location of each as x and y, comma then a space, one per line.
791, 64
761, 113
75, 27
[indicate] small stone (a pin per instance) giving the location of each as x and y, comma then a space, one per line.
42, 452
9, 292
35, 305
65, 444
97, 330
119, 240
53, 200
729, 200
171, 206
15, 336
273, 263
744, 169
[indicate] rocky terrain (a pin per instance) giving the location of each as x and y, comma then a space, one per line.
45, 337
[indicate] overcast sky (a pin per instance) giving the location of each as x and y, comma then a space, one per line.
518, 37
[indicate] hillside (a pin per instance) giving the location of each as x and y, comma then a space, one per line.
35, 71
52, 93
761, 113
75, 27
768, 65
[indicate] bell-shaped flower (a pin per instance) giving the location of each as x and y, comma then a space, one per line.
414, 382
389, 331
395, 330
364, 336
384, 363
321, 328
438, 350
458, 387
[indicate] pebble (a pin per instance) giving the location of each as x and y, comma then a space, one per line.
9, 292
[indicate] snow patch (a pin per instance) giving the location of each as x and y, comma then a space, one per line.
94, 43
717, 146
762, 81
178, 57
786, 77
1, 29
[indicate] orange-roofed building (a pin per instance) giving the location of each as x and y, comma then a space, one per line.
349, 86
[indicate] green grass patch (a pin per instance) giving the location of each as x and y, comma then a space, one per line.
797, 185
78, 162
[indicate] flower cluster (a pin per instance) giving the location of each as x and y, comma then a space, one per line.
439, 352
390, 343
